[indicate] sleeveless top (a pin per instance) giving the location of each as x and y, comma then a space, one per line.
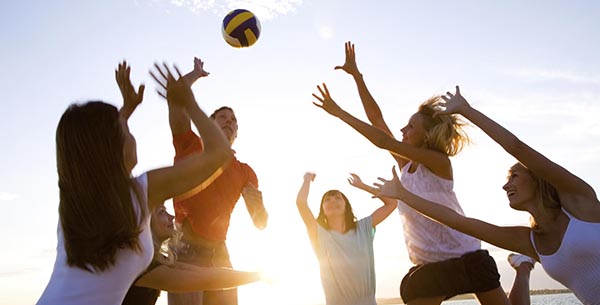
70, 285
428, 241
576, 263
347, 264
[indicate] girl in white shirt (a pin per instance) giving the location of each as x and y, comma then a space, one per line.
565, 212
104, 239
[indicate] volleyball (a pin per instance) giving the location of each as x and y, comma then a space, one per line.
240, 28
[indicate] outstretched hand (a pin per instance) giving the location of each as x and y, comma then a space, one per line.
355, 181
131, 97
389, 188
175, 90
199, 68
454, 103
350, 64
327, 103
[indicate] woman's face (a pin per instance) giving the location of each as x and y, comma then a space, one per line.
162, 224
129, 146
520, 188
414, 132
334, 204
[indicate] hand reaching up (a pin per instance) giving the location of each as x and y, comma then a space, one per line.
175, 91
327, 103
308, 176
355, 181
350, 64
454, 103
131, 98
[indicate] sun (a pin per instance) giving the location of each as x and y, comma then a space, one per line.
283, 253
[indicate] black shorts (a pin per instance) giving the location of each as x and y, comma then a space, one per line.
471, 273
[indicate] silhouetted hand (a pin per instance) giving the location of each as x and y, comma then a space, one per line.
131, 98
350, 64
327, 103
175, 90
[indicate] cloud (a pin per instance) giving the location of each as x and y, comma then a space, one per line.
556, 75
264, 9
4, 196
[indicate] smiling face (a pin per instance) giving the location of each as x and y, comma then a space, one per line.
162, 224
521, 188
414, 133
226, 120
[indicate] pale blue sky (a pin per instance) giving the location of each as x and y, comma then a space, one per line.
531, 65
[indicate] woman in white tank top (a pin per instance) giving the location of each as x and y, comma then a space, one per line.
104, 239
423, 154
565, 213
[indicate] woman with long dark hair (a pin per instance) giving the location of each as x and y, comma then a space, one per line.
104, 238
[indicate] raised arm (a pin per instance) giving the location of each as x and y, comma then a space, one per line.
389, 204
304, 210
566, 183
183, 277
436, 161
179, 120
131, 98
510, 238
371, 107
197, 169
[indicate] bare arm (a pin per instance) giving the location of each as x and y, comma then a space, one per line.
304, 210
197, 169
565, 182
437, 162
186, 278
179, 120
371, 107
389, 204
510, 238
254, 204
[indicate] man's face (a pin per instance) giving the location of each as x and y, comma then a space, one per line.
226, 119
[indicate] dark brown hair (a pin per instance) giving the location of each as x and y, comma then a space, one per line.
96, 210
214, 114
349, 218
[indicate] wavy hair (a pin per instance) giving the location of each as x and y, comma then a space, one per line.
349, 218
96, 210
445, 132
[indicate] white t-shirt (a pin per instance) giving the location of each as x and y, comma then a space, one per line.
428, 241
72, 285
347, 264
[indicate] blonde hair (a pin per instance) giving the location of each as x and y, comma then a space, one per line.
445, 132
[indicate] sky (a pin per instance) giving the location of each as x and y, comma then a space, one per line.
532, 66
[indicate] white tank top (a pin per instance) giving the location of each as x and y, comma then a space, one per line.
428, 241
70, 285
576, 263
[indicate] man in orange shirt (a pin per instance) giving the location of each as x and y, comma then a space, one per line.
204, 215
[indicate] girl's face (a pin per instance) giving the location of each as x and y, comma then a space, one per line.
129, 146
520, 189
162, 224
414, 132
334, 204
